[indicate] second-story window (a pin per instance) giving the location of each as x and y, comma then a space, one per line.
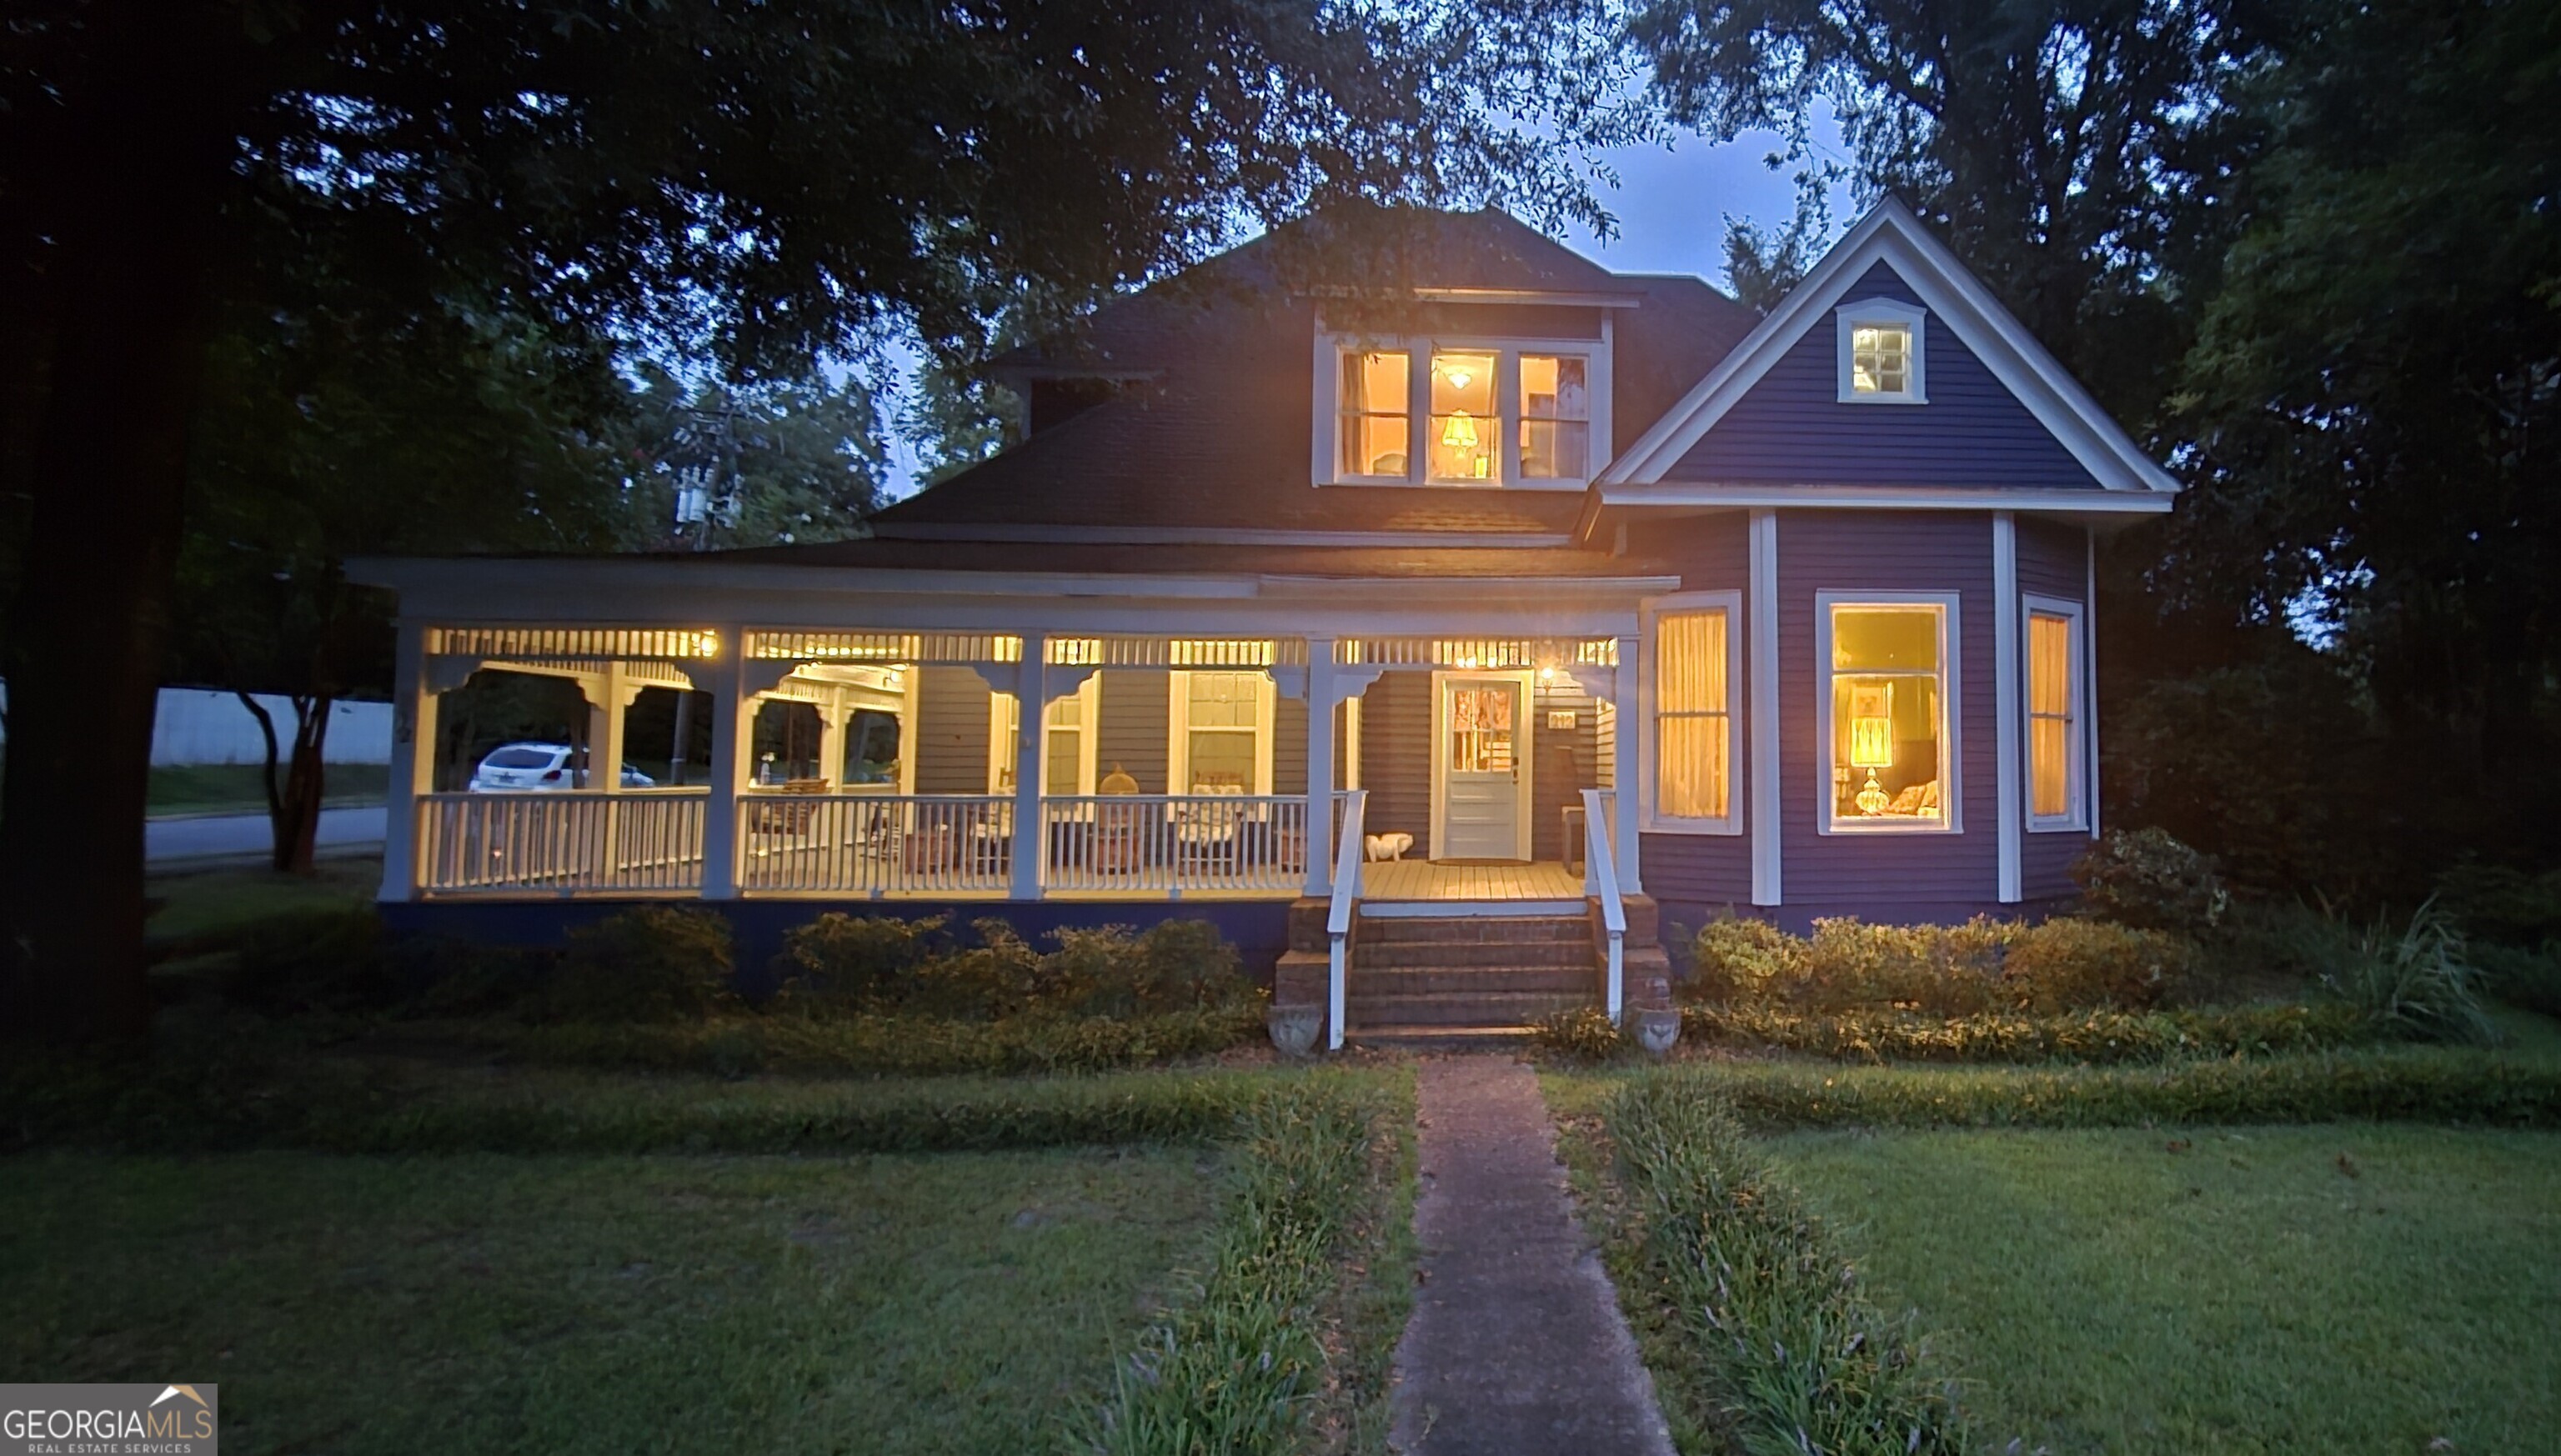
1409, 411
1464, 430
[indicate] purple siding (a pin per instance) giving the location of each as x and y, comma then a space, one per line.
1700, 873
1396, 757
1885, 875
2053, 560
1791, 428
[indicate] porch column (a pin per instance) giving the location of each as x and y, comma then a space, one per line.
1624, 695
1031, 698
604, 730
832, 737
725, 680
1322, 698
412, 767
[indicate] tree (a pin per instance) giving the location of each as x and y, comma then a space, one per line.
753, 184
793, 460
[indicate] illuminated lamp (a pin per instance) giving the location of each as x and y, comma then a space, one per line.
1871, 746
1460, 433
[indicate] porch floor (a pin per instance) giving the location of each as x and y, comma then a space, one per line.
1477, 881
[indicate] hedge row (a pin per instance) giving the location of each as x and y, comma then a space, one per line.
1242, 1366
2415, 1085
876, 1045
1760, 1315
2097, 1036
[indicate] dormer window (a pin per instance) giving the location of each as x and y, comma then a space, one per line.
1461, 412
1881, 353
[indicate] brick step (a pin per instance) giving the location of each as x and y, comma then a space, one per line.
1460, 929
1369, 980
1438, 1039
1403, 954
1374, 1014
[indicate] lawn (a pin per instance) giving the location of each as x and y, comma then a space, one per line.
892, 1304
216, 901
240, 789
2348, 1287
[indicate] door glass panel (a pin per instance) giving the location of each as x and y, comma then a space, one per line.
1481, 728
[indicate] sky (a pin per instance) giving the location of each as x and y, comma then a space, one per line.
1671, 204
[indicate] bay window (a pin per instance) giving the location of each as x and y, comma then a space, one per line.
1690, 684
2056, 768
1460, 413
1888, 741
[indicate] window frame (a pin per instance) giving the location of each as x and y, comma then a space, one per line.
1653, 820
1178, 727
1004, 723
1849, 318
1335, 347
2076, 757
1951, 713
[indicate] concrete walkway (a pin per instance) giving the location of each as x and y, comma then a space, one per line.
1517, 1347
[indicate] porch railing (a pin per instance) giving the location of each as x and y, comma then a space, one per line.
1168, 844
1351, 806
643, 840
873, 843
1600, 881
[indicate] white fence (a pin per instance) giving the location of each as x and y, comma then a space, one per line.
875, 844
1164, 843
202, 726
646, 839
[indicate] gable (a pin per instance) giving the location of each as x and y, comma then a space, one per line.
1791, 428
2002, 414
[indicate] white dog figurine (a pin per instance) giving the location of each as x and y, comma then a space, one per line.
1390, 846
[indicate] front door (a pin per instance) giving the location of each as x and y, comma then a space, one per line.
1483, 762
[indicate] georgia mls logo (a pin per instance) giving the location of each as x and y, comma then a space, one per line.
109, 1421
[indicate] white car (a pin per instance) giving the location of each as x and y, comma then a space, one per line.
514, 767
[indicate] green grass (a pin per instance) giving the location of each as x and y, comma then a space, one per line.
952, 1303
2243, 1293
217, 902
240, 789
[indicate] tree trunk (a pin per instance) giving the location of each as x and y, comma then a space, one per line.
297, 827
89, 631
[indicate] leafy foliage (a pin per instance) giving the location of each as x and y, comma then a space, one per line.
2416, 977
650, 963
1584, 1033
869, 1045
2098, 1038
1980, 966
841, 964
1793, 1351
2148, 879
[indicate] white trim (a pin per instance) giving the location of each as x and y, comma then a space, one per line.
1352, 740
1891, 313
1648, 730
910, 736
1463, 910
1767, 852
1178, 727
2075, 817
1891, 235
1524, 756
2089, 659
2043, 500
2011, 703
1002, 720
1015, 533
1950, 715
1325, 444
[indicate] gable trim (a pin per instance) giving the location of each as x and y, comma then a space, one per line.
1891, 235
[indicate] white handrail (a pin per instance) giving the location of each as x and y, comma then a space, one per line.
1169, 844
1353, 803
1601, 881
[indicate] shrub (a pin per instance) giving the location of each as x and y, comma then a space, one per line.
456, 977
1736, 958
882, 1045
1980, 966
650, 963
1787, 1345
313, 961
840, 963
2498, 903
1000, 977
2415, 978
2528, 978
2147, 879
2065, 962
1584, 1033
2095, 1037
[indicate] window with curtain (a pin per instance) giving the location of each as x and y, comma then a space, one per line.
1376, 413
1555, 416
1463, 425
1889, 733
2053, 697
1221, 724
1693, 728
1062, 747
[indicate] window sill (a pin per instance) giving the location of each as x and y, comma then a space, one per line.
2058, 826
1729, 828
1883, 400
1398, 482
1857, 827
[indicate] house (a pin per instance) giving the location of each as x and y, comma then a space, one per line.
1440, 638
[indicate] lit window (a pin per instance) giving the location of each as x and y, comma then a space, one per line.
1376, 413
1223, 733
1880, 360
1464, 427
1555, 416
1888, 745
1063, 747
1065, 767
2054, 768
1693, 728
